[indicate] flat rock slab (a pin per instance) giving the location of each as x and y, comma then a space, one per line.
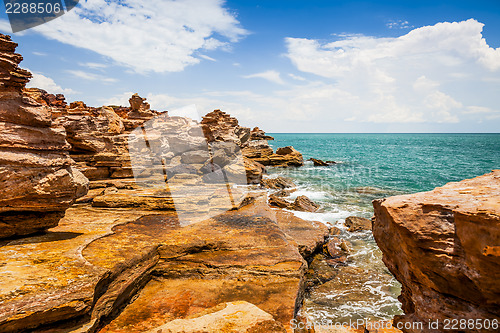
79, 276
58, 275
241, 255
229, 317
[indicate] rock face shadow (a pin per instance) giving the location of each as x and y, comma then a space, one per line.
42, 237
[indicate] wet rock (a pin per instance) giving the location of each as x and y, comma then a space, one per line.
332, 247
308, 236
336, 247
277, 183
277, 201
318, 162
319, 271
334, 231
355, 223
304, 204
284, 193
438, 245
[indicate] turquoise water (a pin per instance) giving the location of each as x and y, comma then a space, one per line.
371, 166
377, 165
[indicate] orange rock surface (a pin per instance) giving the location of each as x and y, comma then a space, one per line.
442, 246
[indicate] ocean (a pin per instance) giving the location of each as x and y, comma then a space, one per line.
371, 166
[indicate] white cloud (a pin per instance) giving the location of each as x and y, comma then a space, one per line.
91, 76
270, 75
474, 109
432, 74
153, 35
46, 83
93, 65
296, 77
399, 24
41, 54
204, 56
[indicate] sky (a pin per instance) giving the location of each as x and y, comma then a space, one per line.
289, 66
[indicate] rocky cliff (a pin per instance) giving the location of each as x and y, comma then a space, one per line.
444, 248
38, 180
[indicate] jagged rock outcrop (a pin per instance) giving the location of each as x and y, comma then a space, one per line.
43, 97
219, 126
37, 179
444, 248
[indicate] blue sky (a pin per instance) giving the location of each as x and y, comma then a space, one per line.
285, 66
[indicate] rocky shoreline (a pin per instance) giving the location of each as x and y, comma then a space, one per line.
86, 249
90, 241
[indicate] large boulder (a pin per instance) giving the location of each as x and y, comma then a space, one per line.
304, 204
37, 179
356, 223
444, 248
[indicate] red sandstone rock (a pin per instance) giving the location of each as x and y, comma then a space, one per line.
439, 245
284, 157
304, 204
355, 223
219, 126
37, 179
277, 183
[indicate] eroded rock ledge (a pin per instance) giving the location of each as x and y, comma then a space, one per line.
444, 248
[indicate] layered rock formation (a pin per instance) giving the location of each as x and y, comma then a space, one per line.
444, 248
37, 179
219, 126
128, 256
